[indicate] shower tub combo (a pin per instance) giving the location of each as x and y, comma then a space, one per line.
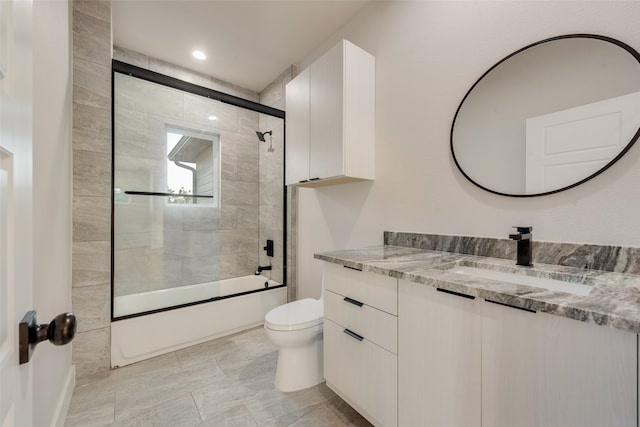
191, 209
242, 303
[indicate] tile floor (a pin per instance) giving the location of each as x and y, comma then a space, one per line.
224, 382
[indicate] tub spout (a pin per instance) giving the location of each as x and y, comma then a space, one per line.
261, 269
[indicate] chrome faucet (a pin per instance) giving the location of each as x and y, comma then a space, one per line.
525, 252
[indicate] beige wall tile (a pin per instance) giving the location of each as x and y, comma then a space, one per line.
91, 218
92, 306
130, 57
91, 84
91, 269
92, 247
248, 263
99, 9
91, 140
91, 36
239, 241
92, 354
133, 125
92, 120
240, 193
91, 173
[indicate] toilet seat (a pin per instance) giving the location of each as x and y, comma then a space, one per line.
296, 315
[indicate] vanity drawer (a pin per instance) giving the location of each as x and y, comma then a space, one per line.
362, 373
374, 290
375, 325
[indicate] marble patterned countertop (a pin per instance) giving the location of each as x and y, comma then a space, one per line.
614, 300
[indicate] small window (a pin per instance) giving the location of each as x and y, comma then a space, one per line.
193, 167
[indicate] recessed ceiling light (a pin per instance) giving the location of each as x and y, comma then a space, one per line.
198, 54
212, 118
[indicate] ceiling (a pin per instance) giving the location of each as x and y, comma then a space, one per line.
247, 42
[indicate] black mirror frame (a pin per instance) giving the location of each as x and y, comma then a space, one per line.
635, 137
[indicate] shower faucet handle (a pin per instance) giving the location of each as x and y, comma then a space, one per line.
269, 248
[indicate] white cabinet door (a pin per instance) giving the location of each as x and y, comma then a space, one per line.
326, 115
362, 373
544, 370
331, 119
438, 358
297, 101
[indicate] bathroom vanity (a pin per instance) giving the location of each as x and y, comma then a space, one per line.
416, 337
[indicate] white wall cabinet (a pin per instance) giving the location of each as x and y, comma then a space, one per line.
360, 341
439, 381
330, 130
544, 370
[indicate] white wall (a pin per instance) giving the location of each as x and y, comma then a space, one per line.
53, 374
428, 54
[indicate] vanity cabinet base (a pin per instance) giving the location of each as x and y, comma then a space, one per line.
544, 370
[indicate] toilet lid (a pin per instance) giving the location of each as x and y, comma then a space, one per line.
301, 314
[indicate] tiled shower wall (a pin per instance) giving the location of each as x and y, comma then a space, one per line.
92, 53
272, 183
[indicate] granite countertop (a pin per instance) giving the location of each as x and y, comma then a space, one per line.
614, 300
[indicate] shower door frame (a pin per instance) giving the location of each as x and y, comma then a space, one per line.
172, 82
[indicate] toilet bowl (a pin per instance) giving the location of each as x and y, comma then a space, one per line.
296, 328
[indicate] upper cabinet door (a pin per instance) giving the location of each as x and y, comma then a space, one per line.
331, 126
327, 110
297, 128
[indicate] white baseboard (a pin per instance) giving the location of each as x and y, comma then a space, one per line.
62, 407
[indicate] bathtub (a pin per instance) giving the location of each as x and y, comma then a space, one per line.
138, 338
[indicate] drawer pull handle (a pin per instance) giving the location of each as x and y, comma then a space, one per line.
352, 268
458, 294
353, 335
353, 301
510, 306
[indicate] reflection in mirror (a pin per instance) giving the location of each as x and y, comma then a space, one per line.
549, 116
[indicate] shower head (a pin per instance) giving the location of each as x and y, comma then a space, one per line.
262, 134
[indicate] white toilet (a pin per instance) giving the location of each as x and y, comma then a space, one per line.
296, 328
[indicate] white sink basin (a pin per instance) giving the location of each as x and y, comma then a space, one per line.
538, 282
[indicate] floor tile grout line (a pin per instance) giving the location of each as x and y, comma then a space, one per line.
250, 414
197, 408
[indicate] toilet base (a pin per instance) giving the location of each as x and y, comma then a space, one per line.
300, 367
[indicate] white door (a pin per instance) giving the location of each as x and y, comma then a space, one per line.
569, 145
16, 392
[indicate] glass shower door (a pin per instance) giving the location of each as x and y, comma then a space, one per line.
187, 196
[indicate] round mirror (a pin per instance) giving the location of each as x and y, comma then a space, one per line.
550, 116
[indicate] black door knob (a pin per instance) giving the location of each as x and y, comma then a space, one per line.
60, 331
